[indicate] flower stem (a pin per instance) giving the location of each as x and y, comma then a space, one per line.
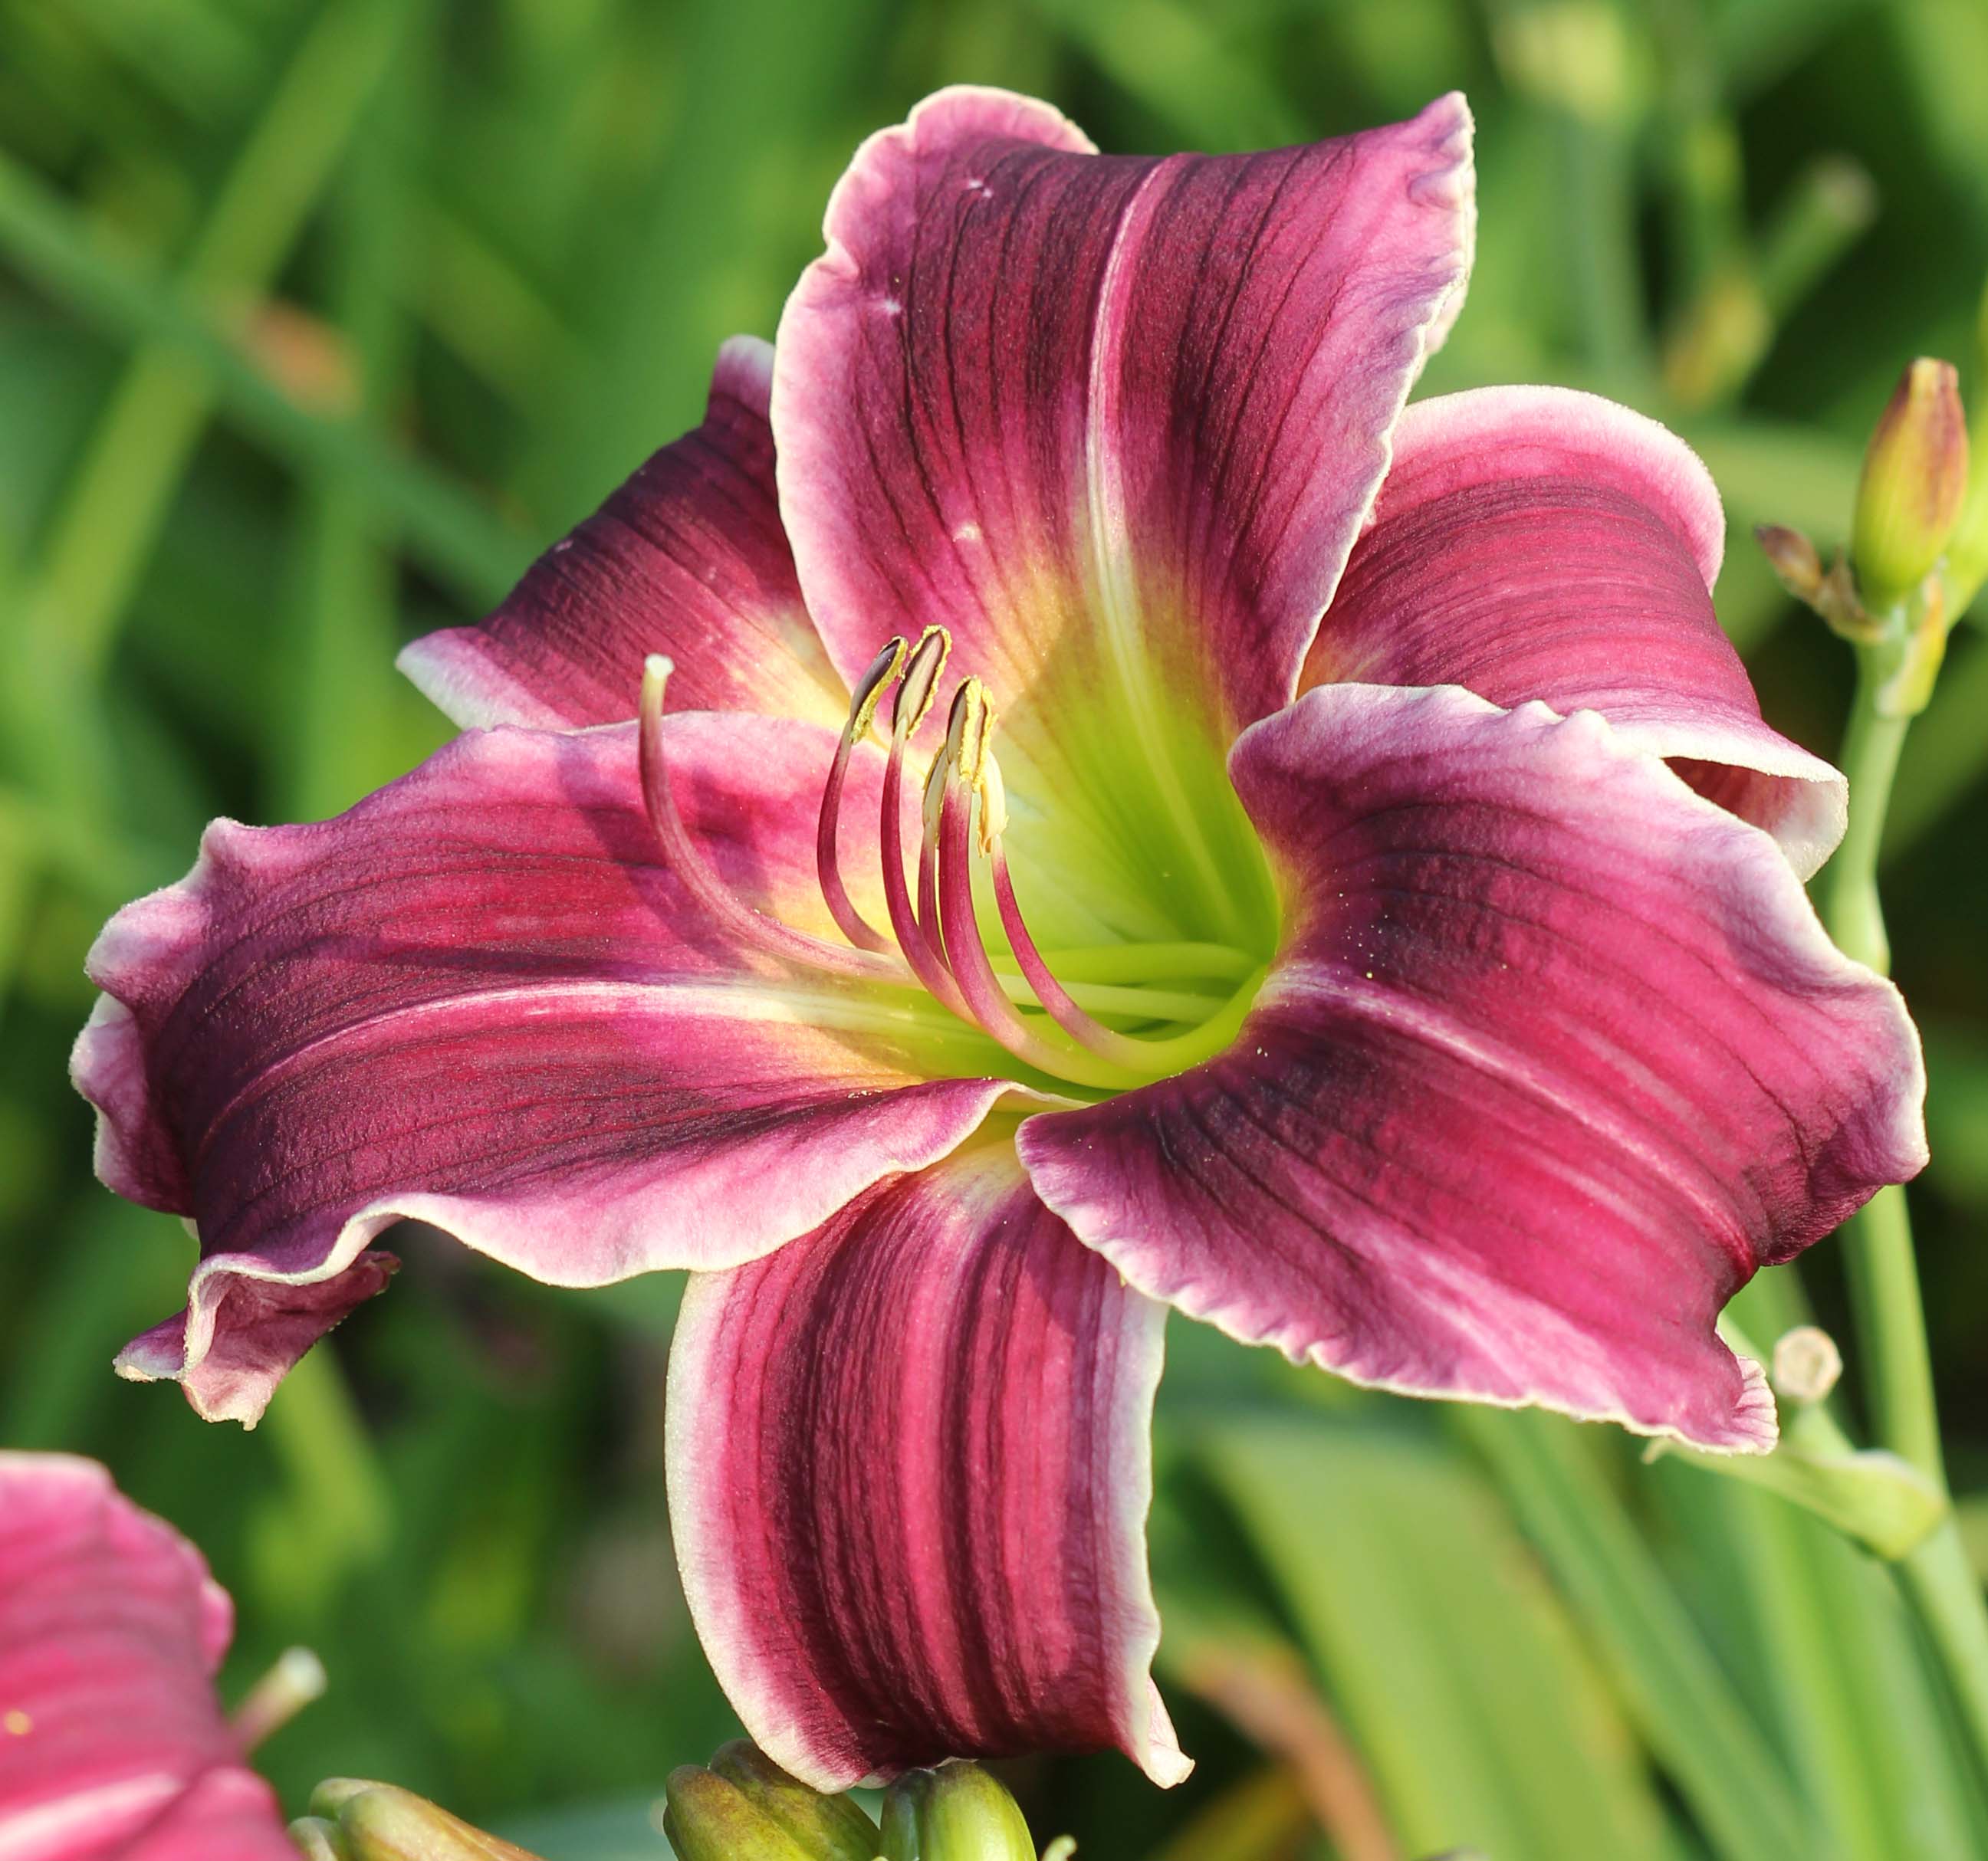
1885, 1283
1936, 1579
1848, 887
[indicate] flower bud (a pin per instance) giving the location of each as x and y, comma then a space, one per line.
317, 1840
352, 1820
958, 1812
709, 1819
826, 1827
1915, 479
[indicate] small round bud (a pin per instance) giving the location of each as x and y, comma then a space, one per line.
1915, 480
1807, 1364
958, 1812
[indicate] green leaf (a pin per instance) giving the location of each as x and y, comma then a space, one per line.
1455, 1667
1673, 1688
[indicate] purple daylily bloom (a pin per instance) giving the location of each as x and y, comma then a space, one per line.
111, 1746
1428, 989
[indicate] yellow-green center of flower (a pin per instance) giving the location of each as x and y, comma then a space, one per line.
1100, 1019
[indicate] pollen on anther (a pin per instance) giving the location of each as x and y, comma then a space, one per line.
16, 1723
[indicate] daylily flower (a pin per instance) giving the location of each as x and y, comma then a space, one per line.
1428, 989
111, 1742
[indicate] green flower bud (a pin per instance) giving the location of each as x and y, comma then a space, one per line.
826, 1827
353, 1820
1915, 481
958, 1812
708, 1817
318, 1840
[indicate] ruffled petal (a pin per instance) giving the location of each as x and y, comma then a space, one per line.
1535, 542
1114, 422
688, 558
1556, 1055
479, 1000
909, 1468
111, 1743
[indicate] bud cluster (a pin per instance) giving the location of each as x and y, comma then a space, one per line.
1913, 539
744, 1808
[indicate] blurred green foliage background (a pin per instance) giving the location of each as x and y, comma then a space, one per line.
318, 317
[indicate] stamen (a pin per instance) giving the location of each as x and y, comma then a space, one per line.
921, 950
928, 815
696, 875
965, 741
913, 701
976, 770
862, 712
1120, 1049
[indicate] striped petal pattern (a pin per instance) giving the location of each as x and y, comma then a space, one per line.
909, 1469
480, 1000
1555, 1056
1540, 543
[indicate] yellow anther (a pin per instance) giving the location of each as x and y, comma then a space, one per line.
993, 797
966, 730
869, 689
921, 678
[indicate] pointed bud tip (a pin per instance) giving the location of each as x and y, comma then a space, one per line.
1914, 483
1793, 559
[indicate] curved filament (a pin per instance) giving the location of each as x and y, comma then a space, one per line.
694, 873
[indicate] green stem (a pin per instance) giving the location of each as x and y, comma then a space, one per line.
1884, 1274
1847, 892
